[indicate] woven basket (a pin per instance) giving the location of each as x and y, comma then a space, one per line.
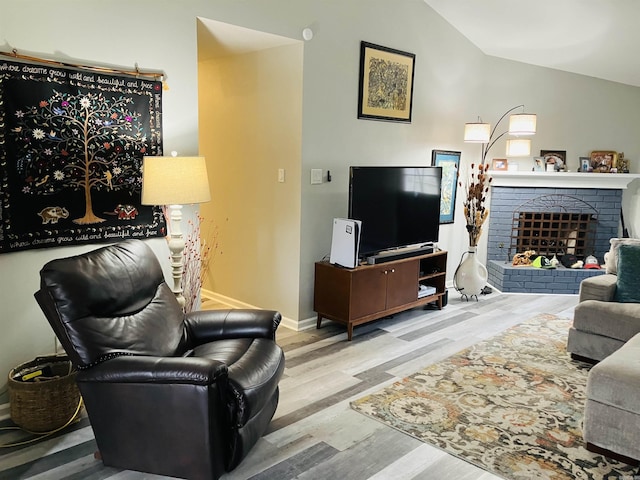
43, 404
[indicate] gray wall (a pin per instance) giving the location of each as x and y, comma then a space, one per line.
454, 82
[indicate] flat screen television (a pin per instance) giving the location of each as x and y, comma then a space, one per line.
398, 206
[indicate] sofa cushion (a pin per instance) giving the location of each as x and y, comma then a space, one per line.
628, 283
614, 381
600, 287
611, 258
610, 319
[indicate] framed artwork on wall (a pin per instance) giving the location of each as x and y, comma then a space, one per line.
450, 163
386, 83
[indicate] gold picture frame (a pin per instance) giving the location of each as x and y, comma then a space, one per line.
604, 161
386, 83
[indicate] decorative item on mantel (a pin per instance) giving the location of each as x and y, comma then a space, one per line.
622, 163
471, 276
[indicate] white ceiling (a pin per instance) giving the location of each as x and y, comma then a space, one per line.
218, 39
598, 38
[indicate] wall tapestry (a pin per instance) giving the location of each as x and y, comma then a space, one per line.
71, 148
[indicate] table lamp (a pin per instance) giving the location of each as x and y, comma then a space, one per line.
175, 181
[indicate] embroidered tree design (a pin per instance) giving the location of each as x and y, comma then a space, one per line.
82, 142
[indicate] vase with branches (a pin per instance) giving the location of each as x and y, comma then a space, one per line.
201, 245
476, 187
200, 249
471, 276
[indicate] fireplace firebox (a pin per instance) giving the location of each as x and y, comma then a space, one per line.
554, 225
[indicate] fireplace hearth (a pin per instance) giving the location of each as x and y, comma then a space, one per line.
551, 221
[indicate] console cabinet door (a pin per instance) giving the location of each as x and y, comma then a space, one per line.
402, 284
368, 291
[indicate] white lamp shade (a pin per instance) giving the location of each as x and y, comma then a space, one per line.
174, 180
518, 147
522, 124
477, 132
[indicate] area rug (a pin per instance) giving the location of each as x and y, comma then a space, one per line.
511, 405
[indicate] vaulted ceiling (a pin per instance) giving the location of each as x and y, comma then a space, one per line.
598, 38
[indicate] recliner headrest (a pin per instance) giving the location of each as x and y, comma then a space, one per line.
111, 301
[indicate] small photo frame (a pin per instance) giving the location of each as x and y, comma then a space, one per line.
450, 163
500, 164
386, 83
538, 164
585, 164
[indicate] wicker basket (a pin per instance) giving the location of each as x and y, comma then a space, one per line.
44, 403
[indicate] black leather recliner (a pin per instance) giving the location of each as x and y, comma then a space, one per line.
184, 395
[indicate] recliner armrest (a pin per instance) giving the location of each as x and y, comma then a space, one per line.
158, 370
210, 325
600, 287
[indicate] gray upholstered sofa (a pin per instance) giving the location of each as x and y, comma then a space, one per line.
611, 423
606, 328
602, 325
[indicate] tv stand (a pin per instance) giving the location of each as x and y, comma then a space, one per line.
354, 296
391, 255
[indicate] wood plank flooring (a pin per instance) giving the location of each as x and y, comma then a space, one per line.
314, 434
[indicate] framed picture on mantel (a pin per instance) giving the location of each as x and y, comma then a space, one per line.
603, 161
556, 158
585, 164
500, 164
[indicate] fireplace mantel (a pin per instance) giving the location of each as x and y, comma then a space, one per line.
562, 179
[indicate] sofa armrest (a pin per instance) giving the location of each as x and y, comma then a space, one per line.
155, 370
600, 287
210, 325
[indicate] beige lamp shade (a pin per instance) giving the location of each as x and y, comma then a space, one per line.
518, 147
522, 124
174, 181
477, 132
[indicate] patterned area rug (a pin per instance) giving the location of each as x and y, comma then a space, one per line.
512, 405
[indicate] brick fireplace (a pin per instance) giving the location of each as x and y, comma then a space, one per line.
550, 212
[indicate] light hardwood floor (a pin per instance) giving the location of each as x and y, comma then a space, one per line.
314, 434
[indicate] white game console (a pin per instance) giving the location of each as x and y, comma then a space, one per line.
345, 242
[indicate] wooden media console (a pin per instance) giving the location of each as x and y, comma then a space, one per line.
353, 296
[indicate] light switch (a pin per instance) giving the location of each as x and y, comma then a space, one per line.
281, 175
316, 176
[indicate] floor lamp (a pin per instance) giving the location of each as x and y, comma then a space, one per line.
519, 124
175, 181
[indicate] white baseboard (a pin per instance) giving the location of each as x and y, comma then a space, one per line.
287, 322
